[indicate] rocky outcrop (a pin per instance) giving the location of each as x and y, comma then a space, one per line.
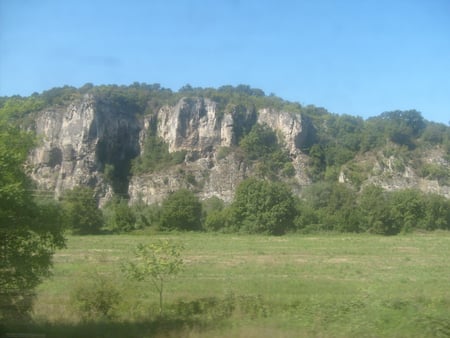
196, 126
208, 177
66, 155
193, 125
79, 143
397, 173
287, 124
393, 173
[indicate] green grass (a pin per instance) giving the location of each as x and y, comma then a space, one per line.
290, 286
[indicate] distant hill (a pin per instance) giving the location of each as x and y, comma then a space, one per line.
144, 141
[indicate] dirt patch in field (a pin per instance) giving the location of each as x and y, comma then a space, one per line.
338, 260
406, 249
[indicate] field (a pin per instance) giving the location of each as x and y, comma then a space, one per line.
258, 286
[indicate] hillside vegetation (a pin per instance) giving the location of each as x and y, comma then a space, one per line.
341, 150
334, 141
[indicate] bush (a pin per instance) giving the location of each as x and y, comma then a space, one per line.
123, 217
81, 213
223, 152
95, 297
212, 308
264, 207
181, 210
220, 220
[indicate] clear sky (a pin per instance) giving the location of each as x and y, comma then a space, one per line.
358, 57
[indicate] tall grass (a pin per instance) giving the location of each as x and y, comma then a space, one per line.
257, 286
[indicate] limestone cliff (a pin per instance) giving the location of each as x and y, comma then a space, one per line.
195, 126
93, 141
80, 140
77, 141
66, 155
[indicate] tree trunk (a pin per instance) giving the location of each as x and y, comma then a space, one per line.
161, 298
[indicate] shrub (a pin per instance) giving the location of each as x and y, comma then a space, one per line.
124, 218
95, 297
90, 220
223, 152
264, 207
157, 263
181, 210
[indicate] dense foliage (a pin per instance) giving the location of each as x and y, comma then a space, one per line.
156, 156
81, 214
263, 207
261, 145
336, 207
30, 230
181, 210
339, 139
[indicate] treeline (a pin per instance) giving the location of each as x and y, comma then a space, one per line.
142, 98
338, 139
267, 207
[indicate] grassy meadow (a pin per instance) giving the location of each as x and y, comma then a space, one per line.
259, 286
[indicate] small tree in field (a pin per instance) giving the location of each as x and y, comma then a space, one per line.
157, 263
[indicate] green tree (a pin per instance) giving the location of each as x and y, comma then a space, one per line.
30, 231
307, 218
375, 208
264, 207
181, 210
221, 220
435, 133
17, 107
261, 140
81, 212
400, 127
157, 263
124, 219
437, 213
211, 205
156, 156
317, 162
407, 209
261, 145
334, 205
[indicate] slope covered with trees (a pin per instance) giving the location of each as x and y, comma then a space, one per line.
341, 152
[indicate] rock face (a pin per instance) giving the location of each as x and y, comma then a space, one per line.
193, 125
289, 125
206, 176
66, 156
397, 173
82, 142
78, 141
393, 174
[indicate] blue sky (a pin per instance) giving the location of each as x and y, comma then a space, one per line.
358, 57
